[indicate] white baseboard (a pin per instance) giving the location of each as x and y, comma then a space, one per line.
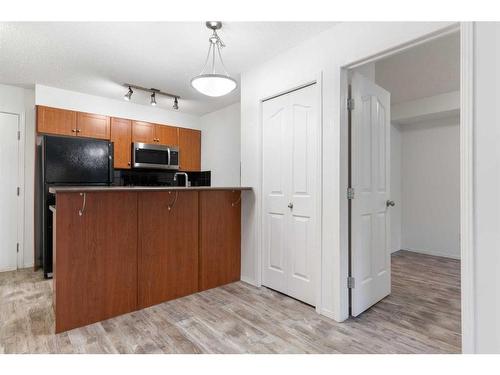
249, 281
7, 269
435, 253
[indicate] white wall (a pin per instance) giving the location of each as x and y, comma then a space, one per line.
487, 187
220, 145
430, 187
59, 98
395, 211
21, 101
322, 55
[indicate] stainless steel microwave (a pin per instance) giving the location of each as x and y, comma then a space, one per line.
154, 156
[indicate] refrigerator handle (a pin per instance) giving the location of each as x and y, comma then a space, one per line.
110, 161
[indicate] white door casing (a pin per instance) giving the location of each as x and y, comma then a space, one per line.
9, 200
370, 179
291, 192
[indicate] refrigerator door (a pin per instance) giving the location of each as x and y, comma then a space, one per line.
72, 160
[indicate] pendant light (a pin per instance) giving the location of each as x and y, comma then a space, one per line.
210, 82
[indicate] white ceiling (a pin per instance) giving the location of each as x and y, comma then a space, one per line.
97, 58
425, 70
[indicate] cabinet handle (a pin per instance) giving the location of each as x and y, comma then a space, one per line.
172, 204
78, 130
128, 163
82, 210
236, 201
73, 130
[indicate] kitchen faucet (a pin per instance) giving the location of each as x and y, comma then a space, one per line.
185, 174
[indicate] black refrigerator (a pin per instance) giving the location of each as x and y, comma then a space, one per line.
65, 161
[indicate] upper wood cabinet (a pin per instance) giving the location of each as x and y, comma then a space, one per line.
96, 259
92, 125
167, 135
121, 136
168, 246
190, 149
143, 132
55, 121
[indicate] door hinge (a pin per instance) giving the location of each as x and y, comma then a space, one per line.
350, 104
18, 135
350, 193
18, 191
350, 282
17, 247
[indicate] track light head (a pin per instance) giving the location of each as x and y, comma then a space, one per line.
176, 103
153, 99
128, 95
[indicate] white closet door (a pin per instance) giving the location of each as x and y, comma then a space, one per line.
9, 201
276, 186
370, 174
290, 187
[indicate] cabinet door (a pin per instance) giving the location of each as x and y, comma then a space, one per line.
96, 258
143, 132
220, 238
167, 135
190, 149
121, 136
168, 246
55, 121
92, 125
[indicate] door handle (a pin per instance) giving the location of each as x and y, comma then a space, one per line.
290, 205
390, 203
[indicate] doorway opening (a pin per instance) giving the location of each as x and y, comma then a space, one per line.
404, 189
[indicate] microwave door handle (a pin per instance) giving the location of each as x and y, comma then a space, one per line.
168, 153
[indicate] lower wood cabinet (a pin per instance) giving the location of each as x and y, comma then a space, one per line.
96, 259
168, 246
220, 238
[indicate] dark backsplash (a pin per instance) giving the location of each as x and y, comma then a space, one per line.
133, 177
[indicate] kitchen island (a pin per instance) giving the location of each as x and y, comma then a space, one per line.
120, 249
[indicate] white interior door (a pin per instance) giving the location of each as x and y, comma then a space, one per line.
9, 181
370, 179
290, 187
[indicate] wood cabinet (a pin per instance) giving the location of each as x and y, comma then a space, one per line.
143, 132
96, 258
190, 149
220, 238
121, 136
92, 125
167, 135
168, 246
55, 121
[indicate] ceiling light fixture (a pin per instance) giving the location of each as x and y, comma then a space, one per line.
154, 93
153, 98
128, 95
209, 82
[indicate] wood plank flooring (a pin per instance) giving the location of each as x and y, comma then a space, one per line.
422, 315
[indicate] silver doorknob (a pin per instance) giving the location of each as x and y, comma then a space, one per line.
390, 203
290, 205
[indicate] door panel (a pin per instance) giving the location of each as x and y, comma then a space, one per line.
290, 170
190, 149
9, 201
143, 132
92, 125
370, 173
167, 135
121, 136
55, 121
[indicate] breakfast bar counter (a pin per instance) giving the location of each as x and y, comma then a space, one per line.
120, 249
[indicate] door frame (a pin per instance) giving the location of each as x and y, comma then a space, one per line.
20, 176
315, 79
466, 30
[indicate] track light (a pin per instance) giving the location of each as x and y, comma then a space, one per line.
153, 92
128, 95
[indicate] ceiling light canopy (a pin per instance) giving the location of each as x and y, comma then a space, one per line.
210, 82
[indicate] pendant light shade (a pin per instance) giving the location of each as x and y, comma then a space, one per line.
211, 82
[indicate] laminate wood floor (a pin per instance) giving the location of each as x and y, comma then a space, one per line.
422, 315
